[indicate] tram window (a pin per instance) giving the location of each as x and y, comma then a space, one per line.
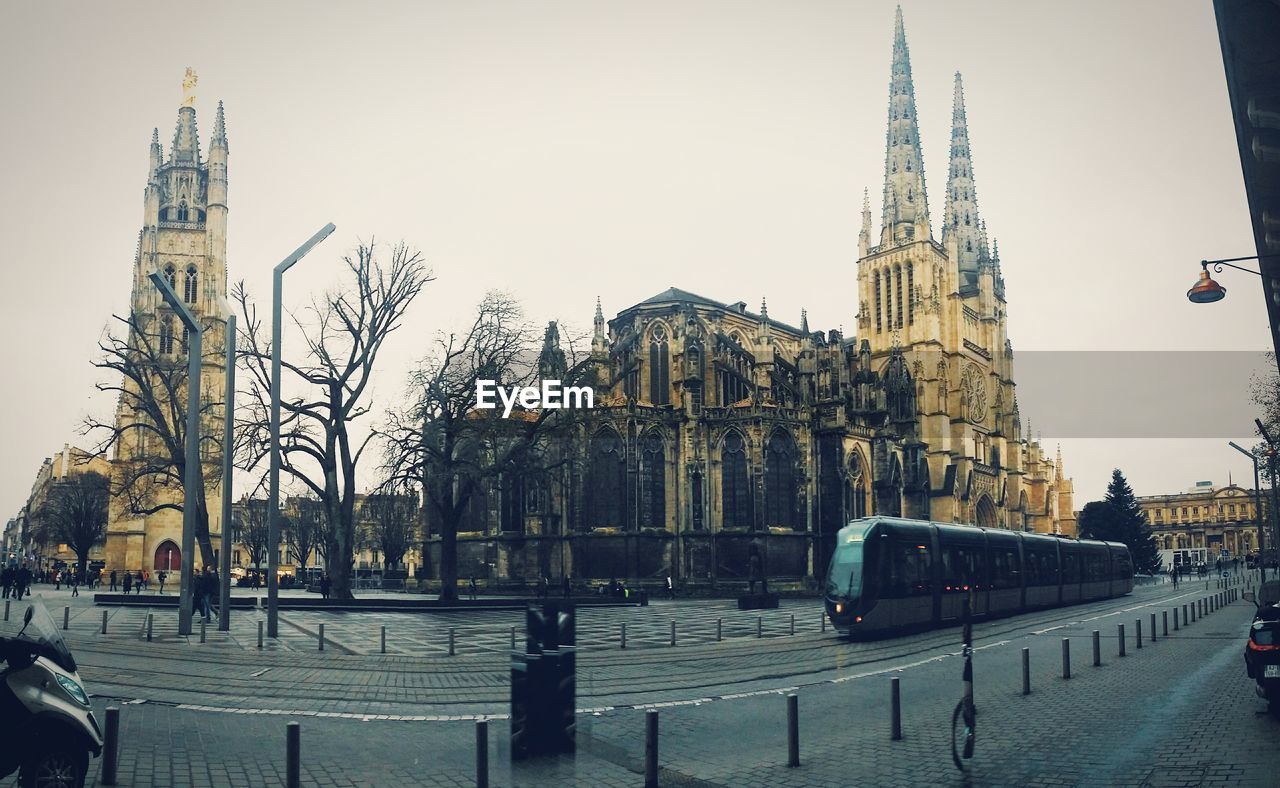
1122, 567
1005, 572
959, 567
1041, 568
1070, 567
909, 570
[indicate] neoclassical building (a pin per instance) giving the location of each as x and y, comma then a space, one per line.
1203, 522
718, 430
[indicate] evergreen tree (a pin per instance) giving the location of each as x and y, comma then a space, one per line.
1126, 523
1098, 521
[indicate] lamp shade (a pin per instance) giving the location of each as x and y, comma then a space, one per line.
1206, 291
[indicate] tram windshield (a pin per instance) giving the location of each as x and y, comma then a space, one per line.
845, 576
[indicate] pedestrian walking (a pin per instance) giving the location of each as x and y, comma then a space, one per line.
6, 580
113, 580
137, 583
326, 585
671, 587
23, 581
75, 583
161, 578
566, 586
471, 587
128, 582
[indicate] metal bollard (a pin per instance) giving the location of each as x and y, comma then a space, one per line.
1164, 623
382, 641
1097, 649
149, 619
259, 634
6, 610
1193, 612
513, 638
66, 617
1153, 628
718, 628
111, 746
1175, 619
759, 626
624, 635
673, 633
293, 755
793, 623
1120, 631
824, 622
202, 630
793, 731
451, 641
104, 622
1137, 630
1066, 658
482, 754
651, 748
1026, 671
895, 697
320, 639
1184, 614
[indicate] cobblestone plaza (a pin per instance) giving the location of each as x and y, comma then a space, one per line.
1178, 711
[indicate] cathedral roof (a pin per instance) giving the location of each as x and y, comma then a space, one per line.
674, 295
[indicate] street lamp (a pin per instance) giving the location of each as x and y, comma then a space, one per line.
273, 502
1275, 498
1206, 291
195, 334
228, 422
1257, 507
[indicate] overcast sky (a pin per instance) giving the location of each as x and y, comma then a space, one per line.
573, 149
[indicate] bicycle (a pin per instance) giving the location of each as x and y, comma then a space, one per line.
965, 711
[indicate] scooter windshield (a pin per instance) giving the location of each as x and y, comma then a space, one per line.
41, 632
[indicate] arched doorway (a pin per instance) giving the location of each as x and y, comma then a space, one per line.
168, 557
985, 513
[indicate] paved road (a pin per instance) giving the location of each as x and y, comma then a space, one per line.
1177, 712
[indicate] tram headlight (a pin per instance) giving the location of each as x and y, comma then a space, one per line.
839, 607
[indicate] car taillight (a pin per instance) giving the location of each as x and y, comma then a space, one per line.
1254, 646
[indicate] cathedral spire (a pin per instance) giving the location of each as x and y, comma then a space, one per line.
864, 235
906, 205
219, 129
186, 142
804, 322
962, 223
600, 341
156, 156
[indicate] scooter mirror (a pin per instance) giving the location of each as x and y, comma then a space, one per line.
26, 617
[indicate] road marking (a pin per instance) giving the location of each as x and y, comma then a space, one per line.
259, 673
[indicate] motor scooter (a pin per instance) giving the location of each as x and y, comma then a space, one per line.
47, 728
1262, 650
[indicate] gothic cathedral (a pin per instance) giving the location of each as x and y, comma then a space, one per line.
184, 237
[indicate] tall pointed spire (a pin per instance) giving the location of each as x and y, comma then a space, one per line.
600, 340
156, 156
864, 235
962, 223
219, 128
906, 204
804, 322
186, 142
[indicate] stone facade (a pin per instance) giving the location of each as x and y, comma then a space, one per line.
718, 431
1197, 525
184, 237
19, 545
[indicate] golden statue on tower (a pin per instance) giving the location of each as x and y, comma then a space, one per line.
189, 88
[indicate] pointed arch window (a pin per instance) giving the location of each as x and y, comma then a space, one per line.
858, 487
780, 481
186, 338
653, 483
911, 289
897, 272
879, 314
171, 276
659, 367
606, 481
184, 213
166, 335
189, 285
735, 483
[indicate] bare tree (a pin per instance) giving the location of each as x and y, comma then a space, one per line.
391, 517
250, 522
75, 514
442, 443
308, 530
148, 374
343, 337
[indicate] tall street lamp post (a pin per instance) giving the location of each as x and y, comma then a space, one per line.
195, 334
228, 422
1275, 497
273, 503
1257, 506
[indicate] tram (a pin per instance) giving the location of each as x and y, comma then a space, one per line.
889, 574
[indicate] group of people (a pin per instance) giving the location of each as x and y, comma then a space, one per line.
135, 582
16, 581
